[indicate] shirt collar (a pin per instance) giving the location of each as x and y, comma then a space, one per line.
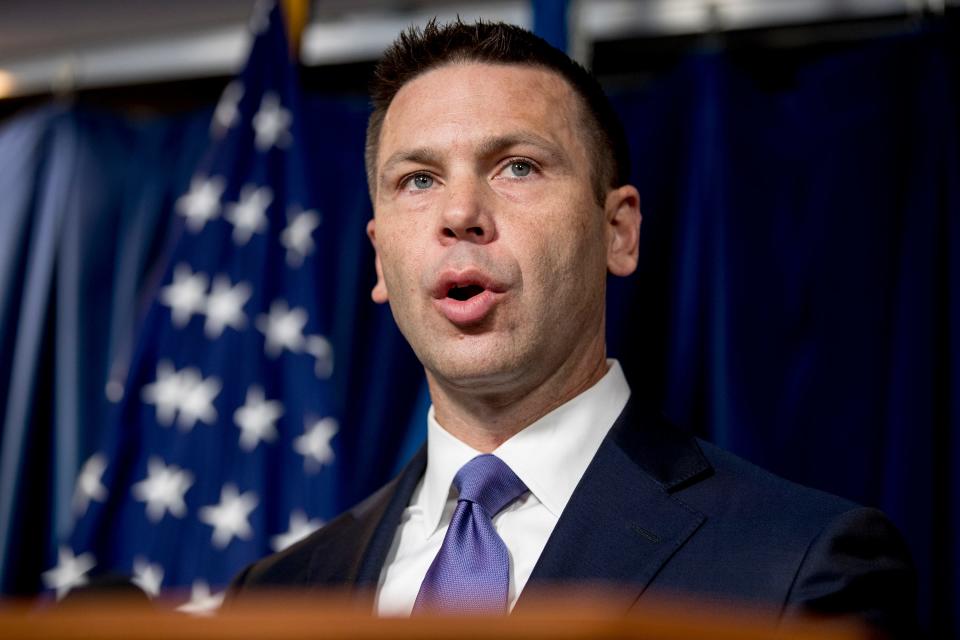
549, 456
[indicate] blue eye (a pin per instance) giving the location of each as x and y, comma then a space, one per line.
520, 169
422, 181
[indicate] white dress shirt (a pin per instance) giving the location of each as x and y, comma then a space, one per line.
549, 456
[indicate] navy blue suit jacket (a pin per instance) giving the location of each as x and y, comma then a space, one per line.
657, 512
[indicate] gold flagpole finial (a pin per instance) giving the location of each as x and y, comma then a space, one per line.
296, 15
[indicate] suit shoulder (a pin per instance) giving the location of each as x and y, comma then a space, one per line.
822, 554
744, 485
764, 523
295, 565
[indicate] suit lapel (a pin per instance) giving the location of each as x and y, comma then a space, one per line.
622, 523
354, 553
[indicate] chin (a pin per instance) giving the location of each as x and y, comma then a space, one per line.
484, 369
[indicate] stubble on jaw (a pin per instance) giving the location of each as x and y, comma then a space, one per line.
485, 419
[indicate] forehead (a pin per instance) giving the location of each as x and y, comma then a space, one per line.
458, 104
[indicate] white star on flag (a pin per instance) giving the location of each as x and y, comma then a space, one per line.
282, 328
71, 571
299, 529
165, 393
248, 216
196, 398
201, 203
296, 237
229, 517
271, 123
186, 295
321, 349
163, 489
227, 112
260, 17
225, 306
257, 419
314, 444
202, 602
147, 576
184, 394
89, 484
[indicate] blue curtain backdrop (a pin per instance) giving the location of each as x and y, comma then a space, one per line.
797, 302
799, 284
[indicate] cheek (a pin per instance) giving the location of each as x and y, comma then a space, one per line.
399, 261
567, 241
551, 264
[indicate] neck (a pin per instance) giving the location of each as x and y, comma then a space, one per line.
486, 418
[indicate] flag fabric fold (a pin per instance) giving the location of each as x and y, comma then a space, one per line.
223, 442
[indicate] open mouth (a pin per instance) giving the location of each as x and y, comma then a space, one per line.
464, 292
467, 298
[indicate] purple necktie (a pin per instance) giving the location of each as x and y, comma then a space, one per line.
471, 573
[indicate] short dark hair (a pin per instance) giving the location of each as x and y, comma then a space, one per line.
417, 51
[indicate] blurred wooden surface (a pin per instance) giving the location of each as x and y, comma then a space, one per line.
297, 616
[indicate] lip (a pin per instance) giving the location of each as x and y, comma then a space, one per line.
468, 312
473, 310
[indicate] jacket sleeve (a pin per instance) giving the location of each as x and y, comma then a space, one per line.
858, 566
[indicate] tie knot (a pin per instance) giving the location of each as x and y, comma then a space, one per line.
489, 482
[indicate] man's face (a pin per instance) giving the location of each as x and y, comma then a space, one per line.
491, 247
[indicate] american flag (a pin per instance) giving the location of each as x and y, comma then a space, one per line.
223, 444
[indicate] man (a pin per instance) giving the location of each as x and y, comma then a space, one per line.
498, 174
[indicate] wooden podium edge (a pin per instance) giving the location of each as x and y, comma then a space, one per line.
290, 616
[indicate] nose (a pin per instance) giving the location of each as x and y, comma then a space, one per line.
466, 214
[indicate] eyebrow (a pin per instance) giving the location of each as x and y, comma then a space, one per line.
420, 155
488, 146
494, 144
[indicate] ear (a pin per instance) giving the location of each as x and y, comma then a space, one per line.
379, 293
622, 215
